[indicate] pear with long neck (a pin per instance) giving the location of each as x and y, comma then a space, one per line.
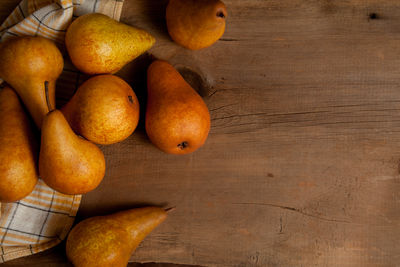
26, 63
18, 149
109, 241
67, 162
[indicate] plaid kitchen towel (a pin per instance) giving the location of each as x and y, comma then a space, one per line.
44, 218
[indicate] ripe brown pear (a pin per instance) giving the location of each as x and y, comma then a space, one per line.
27, 63
196, 24
104, 110
98, 44
109, 241
177, 119
18, 149
67, 162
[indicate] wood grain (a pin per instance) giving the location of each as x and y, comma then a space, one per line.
301, 167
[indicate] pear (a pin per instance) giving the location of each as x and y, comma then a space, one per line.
109, 241
177, 119
26, 63
18, 149
196, 24
67, 162
98, 44
104, 110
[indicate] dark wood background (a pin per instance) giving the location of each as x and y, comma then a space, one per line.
301, 167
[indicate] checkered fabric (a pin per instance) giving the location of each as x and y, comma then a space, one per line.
44, 218
37, 222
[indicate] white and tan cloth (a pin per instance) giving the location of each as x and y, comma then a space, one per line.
44, 218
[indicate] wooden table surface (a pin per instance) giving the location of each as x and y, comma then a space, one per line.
301, 167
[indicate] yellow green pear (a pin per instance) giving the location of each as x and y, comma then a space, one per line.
27, 63
67, 162
104, 110
109, 241
98, 44
18, 149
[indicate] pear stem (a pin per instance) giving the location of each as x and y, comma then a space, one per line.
46, 90
170, 209
183, 145
220, 14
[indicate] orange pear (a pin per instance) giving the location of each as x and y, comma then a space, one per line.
177, 119
27, 63
196, 24
104, 110
109, 241
67, 162
18, 149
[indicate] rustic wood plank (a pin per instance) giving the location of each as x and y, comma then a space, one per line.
301, 167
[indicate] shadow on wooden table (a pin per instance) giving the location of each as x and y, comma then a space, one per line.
56, 257
152, 15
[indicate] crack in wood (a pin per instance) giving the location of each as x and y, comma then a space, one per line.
294, 210
228, 39
305, 113
224, 106
270, 114
340, 122
213, 93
